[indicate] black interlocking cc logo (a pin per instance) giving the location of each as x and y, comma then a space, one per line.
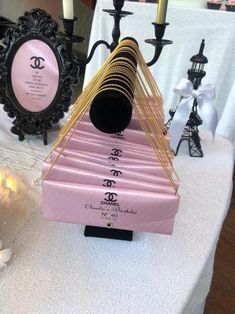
37, 62
114, 158
119, 134
110, 197
116, 152
115, 173
109, 183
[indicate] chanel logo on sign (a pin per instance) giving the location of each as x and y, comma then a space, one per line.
37, 63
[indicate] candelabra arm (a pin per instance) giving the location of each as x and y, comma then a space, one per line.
156, 56
71, 39
84, 62
158, 42
99, 42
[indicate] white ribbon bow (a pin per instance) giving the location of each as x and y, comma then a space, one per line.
204, 95
5, 255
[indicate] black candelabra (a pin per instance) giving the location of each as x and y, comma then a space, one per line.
191, 132
117, 13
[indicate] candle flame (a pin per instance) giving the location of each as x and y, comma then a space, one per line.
8, 187
11, 184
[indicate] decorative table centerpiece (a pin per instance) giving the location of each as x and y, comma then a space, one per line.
113, 168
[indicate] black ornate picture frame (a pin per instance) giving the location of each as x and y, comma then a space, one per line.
34, 92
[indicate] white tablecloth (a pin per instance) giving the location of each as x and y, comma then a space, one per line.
187, 28
189, 3
55, 269
184, 3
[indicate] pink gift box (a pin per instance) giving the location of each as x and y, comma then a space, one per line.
110, 181
135, 210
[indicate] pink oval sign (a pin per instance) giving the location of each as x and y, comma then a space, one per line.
35, 75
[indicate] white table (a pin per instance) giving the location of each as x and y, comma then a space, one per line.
189, 3
184, 3
55, 269
188, 26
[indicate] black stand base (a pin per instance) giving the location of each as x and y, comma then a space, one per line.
100, 232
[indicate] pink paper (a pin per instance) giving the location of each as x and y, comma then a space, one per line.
66, 173
76, 203
106, 148
36, 66
99, 157
94, 164
115, 171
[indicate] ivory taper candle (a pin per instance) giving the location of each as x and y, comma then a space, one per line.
161, 11
68, 9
